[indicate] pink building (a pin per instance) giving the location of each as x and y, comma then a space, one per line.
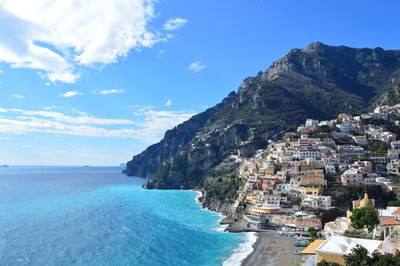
305, 144
299, 221
367, 166
352, 177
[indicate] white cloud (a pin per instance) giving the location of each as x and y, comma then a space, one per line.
82, 119
53, 107
69, 94
1, 71
157, 122
150, 128
24, 125
70, 110
169, 102
105, 92
57, 36
196, 66
17, 96
174, 24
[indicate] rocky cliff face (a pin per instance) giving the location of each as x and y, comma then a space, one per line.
318, 81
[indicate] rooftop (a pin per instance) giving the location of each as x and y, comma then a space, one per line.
391, 221
343, 245
312, 247
397, 211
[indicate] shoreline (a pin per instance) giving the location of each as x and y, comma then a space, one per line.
259, 248
241, 251
273, 249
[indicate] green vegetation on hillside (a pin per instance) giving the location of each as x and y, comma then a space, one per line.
344, 195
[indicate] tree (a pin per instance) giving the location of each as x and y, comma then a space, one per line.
359, 257
356, 234
394, 203
377, 147
386, 259
326, 263
312, 232
296, 201
364, 217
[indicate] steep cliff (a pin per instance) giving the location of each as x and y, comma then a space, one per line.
318, 81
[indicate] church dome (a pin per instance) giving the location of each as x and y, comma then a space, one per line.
366, 202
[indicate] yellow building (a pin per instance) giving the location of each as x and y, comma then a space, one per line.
310, 190
365, 202
361, 203
251, 198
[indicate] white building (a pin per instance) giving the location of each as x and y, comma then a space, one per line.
273, 199
316, 202
369, 181
360, 140
301, 155
335, 247
330, 169
337, 227
310, 123
395, 144
326, 123
328, 141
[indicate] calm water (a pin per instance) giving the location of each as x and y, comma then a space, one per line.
96, 216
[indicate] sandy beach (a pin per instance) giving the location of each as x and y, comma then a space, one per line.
273, 249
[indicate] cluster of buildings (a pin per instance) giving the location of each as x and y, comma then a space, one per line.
385, 237
287, 185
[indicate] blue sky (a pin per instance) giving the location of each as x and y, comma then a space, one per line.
95, 84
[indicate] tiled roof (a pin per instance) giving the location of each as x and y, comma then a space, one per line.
391, 221
397, 211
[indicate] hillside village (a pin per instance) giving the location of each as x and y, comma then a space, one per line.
313, 179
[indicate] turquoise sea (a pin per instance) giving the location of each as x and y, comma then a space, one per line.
97, 216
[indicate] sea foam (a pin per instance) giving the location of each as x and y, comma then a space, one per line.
242, 251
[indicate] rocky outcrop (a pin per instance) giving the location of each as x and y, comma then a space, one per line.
216, 205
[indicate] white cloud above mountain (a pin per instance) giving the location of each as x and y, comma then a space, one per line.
58, 37
149, 124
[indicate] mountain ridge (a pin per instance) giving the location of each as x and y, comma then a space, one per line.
318, 81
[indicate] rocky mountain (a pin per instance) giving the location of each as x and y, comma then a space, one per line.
145, 164
318, 81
